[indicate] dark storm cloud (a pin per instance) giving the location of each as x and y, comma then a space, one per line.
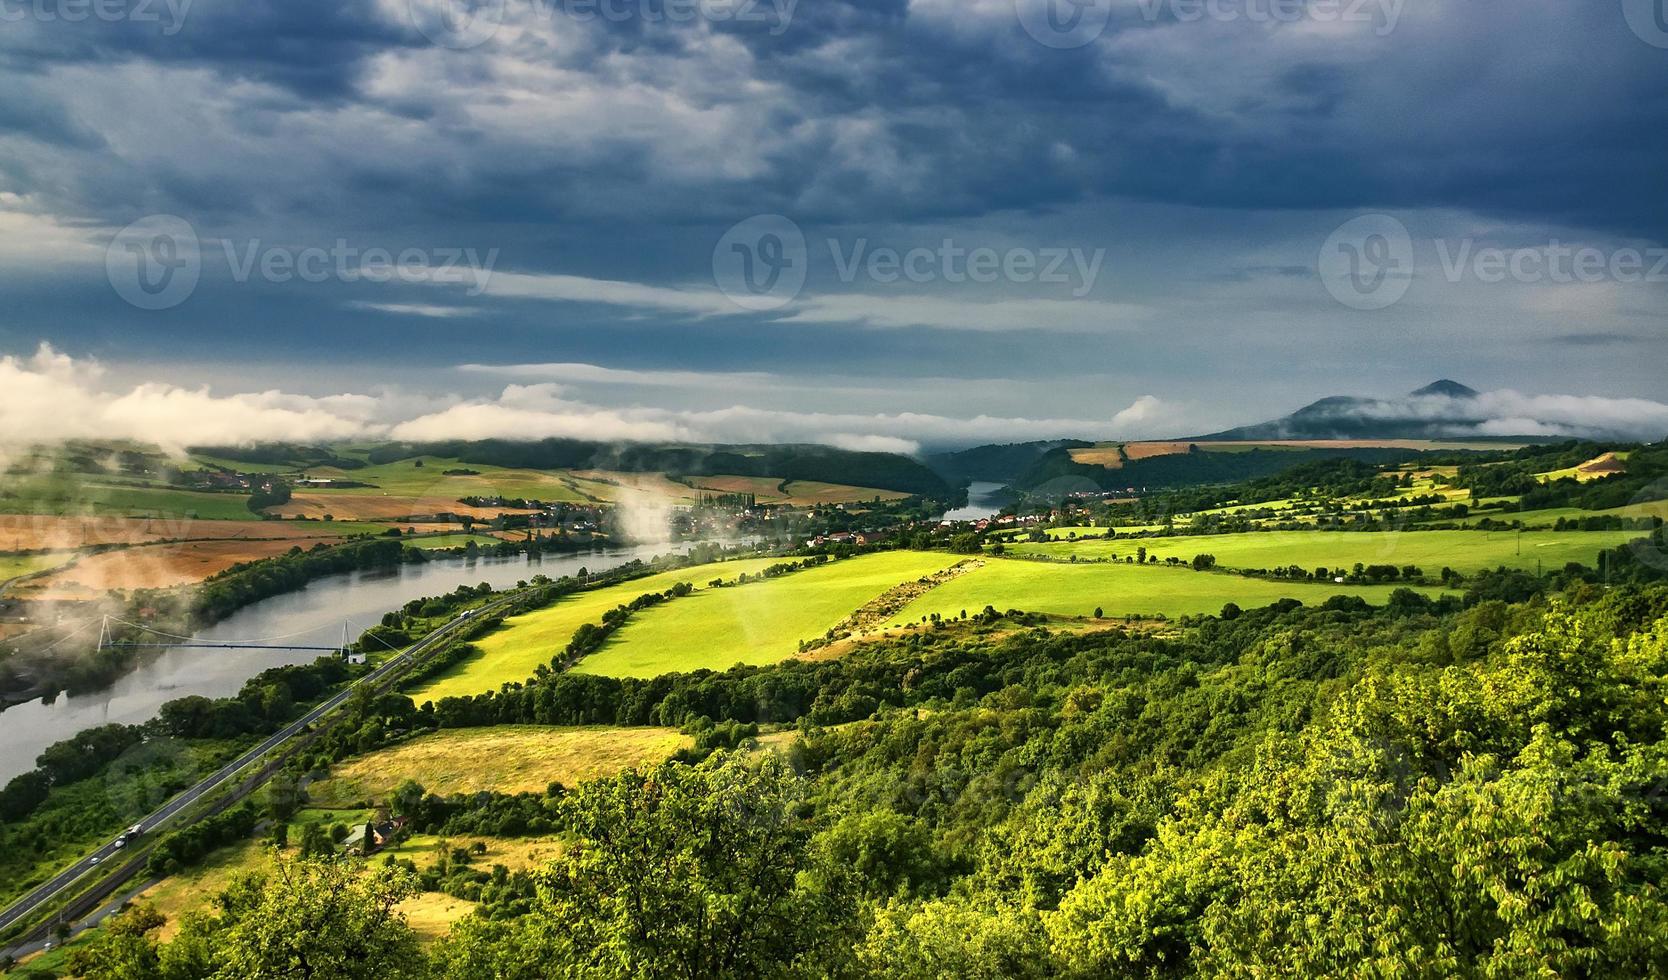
1211, 158
1540, 109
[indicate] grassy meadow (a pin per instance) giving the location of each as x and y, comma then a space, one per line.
1120, 590
513, 653
1464, 551
758, 623
78, 494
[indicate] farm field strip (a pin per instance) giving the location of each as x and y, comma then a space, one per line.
1120, 590
155, 566
513, 653
25, 532
79, 495
758, 623
1465, 551
502, 759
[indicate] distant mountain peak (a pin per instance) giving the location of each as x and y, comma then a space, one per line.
1451, 389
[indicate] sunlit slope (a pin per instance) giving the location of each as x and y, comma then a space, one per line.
758, 623
516, 651
1464, 551
1119, 590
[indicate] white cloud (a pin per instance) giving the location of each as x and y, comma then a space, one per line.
1145, 418
580, 373
873, 443
50, 397
867, 309
414, 309
1072, 316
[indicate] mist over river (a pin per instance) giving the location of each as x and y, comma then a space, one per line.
312, 616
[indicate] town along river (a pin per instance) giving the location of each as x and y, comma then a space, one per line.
312, 616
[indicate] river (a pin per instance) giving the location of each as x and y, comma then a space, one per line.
982, 502
312, 616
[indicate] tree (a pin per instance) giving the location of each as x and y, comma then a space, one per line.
677, 872
325, 920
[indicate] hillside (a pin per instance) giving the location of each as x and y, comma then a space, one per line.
1440, 410
804, 462
997, 463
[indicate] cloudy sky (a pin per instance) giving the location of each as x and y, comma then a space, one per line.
871, 222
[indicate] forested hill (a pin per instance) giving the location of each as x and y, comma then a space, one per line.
998, 463
825, 464
1057, 470
1417, 791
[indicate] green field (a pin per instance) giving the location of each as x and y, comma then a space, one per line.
72, 494
1549, 515
758, 623
404, 478
1464, 551
515, 652
443, 542
1120, 590
12, 566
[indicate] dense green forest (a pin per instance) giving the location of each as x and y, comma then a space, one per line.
1289, 791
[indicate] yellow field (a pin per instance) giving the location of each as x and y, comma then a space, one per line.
504, 759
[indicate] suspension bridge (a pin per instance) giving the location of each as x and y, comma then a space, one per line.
107, 639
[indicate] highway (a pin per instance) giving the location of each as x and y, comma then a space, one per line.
67, 878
